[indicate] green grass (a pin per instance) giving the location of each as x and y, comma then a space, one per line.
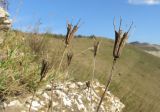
136, 79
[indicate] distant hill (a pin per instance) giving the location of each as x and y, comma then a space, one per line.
153, 49
146, 46
139, 43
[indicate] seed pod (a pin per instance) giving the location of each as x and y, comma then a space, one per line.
69, 58
122, 43
70, 33
69, 29
116, 43
120, 40
44, 69
75, 28
96, 46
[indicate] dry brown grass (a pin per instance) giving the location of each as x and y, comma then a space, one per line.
37, 44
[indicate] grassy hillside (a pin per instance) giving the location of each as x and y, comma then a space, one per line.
136, 78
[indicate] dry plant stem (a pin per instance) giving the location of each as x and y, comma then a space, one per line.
93, 72
95, 48
107, 84
83, 51
60, 64
33, 97
92, 79
51, 98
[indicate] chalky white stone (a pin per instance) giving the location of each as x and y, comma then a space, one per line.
71, 97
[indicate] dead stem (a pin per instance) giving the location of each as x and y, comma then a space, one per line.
90, 48
107, 84
92, 79
60, 64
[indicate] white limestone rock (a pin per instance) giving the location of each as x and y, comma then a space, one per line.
71, 97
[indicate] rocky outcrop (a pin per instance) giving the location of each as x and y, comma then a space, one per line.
155, 53
67, 97
5, 22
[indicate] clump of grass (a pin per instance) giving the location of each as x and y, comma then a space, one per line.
37, 44
120, 40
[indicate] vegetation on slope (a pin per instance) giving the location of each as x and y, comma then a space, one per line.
136, 78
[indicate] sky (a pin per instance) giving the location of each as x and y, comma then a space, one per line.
96, 17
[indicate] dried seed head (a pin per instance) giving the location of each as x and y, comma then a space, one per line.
122, 43
96, 46
44, 69
69, 29
69, 58
116, 43
120, 40
70, 33
75, 28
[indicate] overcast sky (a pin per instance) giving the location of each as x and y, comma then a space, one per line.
96, 16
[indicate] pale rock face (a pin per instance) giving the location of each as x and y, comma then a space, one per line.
155, 53
71, 97
5, 22
3, 13
46, 96
14, 103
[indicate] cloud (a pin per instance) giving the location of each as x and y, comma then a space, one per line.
147, 2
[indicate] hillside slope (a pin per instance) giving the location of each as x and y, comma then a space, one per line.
153, 49
136, 79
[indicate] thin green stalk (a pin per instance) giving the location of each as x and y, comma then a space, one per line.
107, 84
